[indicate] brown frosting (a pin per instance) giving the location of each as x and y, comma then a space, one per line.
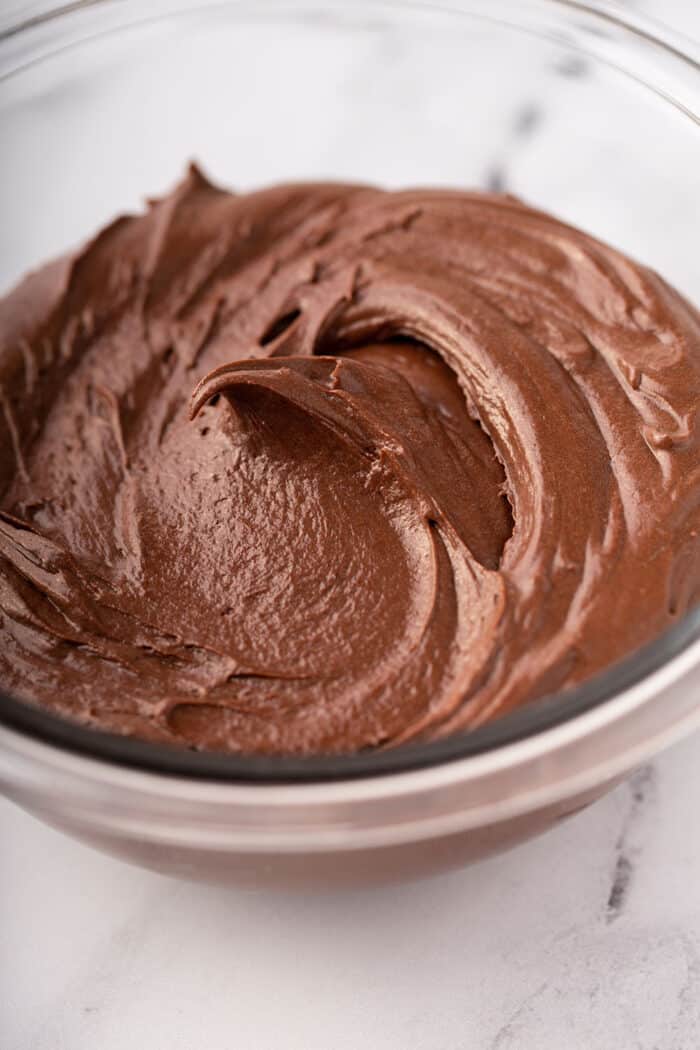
322, 468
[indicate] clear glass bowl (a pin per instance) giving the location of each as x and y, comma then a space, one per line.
584, 112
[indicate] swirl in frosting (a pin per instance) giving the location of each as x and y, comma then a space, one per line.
322, 468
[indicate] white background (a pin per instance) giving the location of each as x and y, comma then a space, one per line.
526, 951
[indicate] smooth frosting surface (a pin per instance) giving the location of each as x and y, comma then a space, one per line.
323, 467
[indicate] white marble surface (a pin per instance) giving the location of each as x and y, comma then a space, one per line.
528, 951
586, 939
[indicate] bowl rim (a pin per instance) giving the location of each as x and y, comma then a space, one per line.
520, 725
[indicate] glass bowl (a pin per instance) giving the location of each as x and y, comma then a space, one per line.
585, 112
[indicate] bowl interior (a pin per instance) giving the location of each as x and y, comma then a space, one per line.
569, 110
384, 93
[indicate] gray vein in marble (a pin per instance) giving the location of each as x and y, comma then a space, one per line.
507, 1034
573, 67
496, 181
688, 1015
526, 122
642, 790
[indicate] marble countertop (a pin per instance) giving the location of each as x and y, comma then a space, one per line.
587, 938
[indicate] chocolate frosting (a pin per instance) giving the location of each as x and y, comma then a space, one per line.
322, 467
